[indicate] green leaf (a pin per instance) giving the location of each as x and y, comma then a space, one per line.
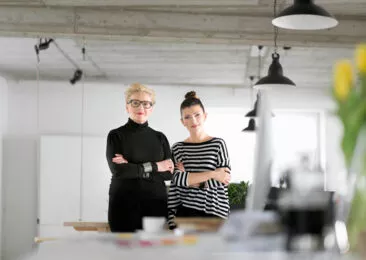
237, 192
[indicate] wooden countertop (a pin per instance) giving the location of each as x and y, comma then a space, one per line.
198, 224
88, 226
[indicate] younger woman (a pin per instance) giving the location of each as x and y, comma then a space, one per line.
202, 168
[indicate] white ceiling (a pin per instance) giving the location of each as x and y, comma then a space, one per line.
155, 42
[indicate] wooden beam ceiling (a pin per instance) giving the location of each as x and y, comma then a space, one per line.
96, 23
130, 2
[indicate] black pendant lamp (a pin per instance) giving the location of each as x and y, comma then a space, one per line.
253, 112
251, 126
275, 77
304, 15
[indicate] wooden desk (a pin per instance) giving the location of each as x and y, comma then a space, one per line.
200, 224
88, 226
39, 240
197, 224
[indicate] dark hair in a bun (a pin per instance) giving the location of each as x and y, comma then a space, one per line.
191, 99
190, 94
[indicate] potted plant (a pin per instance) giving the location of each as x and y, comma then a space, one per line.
237, 194
350, 95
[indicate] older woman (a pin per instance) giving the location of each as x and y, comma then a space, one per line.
139, 159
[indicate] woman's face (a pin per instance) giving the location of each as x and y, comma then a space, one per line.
193, 118
139, 107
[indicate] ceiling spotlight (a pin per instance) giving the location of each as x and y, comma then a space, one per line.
304, 15
42, 45
45, 44
77, 76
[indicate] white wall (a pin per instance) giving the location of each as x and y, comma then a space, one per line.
336, 172
58, 111
19, 171
3, 118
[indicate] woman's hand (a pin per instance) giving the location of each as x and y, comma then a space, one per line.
180, 166
166, 165
119, 159
222, 175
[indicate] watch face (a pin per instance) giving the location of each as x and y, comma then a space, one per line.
147, 167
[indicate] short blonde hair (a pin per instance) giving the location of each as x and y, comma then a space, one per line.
136, 88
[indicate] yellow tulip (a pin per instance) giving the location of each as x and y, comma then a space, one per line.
361, 58
343, 79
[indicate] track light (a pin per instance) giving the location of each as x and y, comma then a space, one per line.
42, 45
77, 76
45, 44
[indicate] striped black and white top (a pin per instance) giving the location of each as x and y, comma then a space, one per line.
199, 157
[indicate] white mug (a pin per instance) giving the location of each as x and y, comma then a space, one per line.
153, 224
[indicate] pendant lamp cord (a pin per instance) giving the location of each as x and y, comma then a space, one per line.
38, 131
251, 78
38, 72
275, 28
81, 209
83, 51
260, 47
259, 63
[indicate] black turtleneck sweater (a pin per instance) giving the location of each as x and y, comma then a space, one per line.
138, 144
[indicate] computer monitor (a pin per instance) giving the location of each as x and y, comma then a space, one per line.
258, 191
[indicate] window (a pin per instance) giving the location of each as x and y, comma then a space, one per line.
295, 133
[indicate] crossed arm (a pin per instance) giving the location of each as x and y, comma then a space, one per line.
220, 176
123, 169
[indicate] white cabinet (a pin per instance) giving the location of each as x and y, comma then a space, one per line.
74, 181
96, 178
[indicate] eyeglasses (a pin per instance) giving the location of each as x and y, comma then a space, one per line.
136, 103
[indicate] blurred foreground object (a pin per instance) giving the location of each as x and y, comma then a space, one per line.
350, 95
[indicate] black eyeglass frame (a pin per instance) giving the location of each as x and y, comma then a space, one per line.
137, 103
